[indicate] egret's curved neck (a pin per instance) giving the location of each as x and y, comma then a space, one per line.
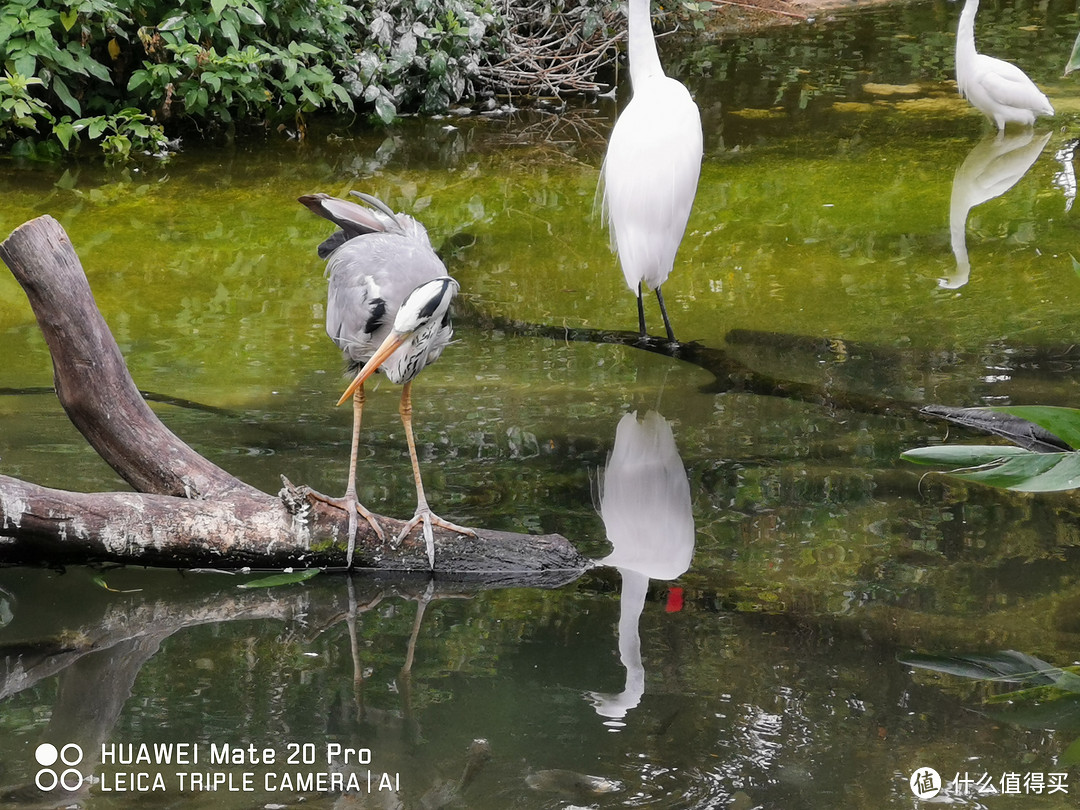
965, 31
644, 59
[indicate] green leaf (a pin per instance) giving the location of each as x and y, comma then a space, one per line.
228, 28
1062, 422
385, 109
68, 18
26, 64
249, 15
286, 578
1074, 57
95, 126
1004, 467
218, 6
962, 455
138, 79
64, 132
65, 96
1030, 472
173, 23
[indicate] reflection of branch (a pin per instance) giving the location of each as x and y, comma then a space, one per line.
320, 603
731, 375
98, 662
149, 396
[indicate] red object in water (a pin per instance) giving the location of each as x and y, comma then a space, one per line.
674, 600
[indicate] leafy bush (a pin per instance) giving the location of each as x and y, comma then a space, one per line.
119, 72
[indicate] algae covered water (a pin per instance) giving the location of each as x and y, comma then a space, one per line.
749, 641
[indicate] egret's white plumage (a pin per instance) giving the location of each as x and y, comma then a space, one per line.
387, 309
650, 172
999, 90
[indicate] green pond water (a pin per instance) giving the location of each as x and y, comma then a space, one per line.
844, 183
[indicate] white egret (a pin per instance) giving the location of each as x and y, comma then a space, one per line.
999, 90
650, 172
387, 309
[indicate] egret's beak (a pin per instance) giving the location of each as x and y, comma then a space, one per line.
393, 340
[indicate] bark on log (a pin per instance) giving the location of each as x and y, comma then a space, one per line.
188, 512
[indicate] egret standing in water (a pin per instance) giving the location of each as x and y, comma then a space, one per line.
999, 90
650, 172
388, 310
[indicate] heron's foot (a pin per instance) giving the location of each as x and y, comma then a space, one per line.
429, 519
346, 503
350, 504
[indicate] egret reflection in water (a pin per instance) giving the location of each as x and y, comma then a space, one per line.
994, 166
645, 506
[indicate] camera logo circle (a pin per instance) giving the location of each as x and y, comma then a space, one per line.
69, 778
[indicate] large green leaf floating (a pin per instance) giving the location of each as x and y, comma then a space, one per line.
1010, 467
1074, 57
1062, 422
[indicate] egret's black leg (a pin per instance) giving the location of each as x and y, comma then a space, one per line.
663, 311
640, 311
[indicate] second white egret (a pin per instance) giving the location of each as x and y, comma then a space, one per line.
999, 90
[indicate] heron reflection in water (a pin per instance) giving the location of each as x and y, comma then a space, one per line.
646, 509
992, 167
387, 309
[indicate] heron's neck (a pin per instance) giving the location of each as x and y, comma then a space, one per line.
965, 30
644, 59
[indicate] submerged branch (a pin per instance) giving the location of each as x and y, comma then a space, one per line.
730, 375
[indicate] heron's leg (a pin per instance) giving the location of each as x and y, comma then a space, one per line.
349, 502
663, 311
423, 511
640, 310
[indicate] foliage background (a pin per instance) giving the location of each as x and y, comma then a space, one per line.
129, 74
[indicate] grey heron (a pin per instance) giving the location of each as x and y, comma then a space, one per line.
387, 309
650, 172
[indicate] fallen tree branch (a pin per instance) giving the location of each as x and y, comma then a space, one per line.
188, 512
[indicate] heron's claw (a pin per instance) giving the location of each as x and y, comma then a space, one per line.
429, 518
350, 504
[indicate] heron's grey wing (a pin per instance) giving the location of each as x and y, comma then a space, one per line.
358, 314
345, 214
353, 220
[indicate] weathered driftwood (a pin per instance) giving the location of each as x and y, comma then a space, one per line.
188, 512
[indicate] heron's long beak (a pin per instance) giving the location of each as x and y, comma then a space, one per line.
393, 340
